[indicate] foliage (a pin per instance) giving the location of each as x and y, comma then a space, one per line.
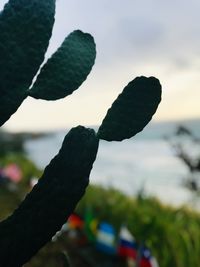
12, 194
172, 234
10, 143
182, 142
28, 168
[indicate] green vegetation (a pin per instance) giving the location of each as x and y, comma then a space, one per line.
10, 143
11, 194
173, 234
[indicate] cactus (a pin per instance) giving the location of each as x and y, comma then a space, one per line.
25, 30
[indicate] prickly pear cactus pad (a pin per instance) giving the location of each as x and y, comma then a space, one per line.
25, 30
132, 110
51, 201
67, 69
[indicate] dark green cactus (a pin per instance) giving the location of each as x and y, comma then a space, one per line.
25, 30
51, 201
132, 110
66, 70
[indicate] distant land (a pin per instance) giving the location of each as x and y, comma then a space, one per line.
154, 130
168, 128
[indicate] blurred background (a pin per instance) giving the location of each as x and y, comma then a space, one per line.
149, 183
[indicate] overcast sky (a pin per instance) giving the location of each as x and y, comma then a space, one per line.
152, 38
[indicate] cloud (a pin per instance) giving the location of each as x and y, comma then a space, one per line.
138, 32
133, 37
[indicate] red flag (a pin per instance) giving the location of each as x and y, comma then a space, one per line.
75, 221
127, 245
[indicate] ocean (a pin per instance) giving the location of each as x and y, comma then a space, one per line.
146, 162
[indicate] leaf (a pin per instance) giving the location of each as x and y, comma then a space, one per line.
47, 207
132, 110
67, 69
25, 30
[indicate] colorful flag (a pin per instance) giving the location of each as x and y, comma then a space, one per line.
147, 260
13, 172
154, 262
90, 226
127, 245
145, 263
75, 221
105, 239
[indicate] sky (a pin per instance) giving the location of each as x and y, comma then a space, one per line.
133, 38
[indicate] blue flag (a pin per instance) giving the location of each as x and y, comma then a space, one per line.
105, 239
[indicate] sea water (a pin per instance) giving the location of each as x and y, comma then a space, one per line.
146, 162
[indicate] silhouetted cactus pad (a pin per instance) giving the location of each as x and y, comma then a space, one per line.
132, 110
25, 30
51, 201
67, 69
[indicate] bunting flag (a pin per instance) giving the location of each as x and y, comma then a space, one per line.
90, 226
75, 222
147, 260
13, 172
127, 245
154, 262
105, 238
